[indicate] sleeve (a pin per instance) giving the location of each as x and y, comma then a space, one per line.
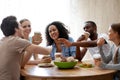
106, 59
110, 66
30, 39
21, 45
72, 48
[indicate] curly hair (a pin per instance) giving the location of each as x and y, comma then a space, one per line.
63, 32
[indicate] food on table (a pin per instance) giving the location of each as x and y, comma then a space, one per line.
86, 65
70, 59
65, 62
58, 59
46, 59
64, 59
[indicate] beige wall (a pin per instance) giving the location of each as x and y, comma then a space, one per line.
103, 12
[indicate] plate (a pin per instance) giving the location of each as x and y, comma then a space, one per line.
86, 65
45, 65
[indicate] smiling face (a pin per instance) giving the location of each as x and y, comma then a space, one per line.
53, 32
26, 25
88, 27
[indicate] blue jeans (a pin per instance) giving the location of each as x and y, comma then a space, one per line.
116, 78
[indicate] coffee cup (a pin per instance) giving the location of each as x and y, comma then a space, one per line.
38, 36
97, 57
86, 34
58, 55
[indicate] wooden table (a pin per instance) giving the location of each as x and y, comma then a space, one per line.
33, 72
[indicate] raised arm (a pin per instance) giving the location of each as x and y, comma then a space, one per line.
80, 43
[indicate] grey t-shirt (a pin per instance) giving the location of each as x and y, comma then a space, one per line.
110, 57
106, 59
11, 49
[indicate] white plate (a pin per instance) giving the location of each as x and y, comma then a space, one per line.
45, 65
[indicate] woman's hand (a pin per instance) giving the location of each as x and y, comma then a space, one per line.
100, 41
36, 39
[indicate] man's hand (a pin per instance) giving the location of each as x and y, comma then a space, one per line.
65, 41
84, 36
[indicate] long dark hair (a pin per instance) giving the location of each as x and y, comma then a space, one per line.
63, 32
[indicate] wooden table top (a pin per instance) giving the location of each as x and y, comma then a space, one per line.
55, 73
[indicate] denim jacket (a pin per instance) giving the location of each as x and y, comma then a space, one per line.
66, 51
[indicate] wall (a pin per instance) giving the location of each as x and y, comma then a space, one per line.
103, 12
72, 12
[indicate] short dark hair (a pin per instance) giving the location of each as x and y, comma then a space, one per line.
63, 32
8, 25
93, 23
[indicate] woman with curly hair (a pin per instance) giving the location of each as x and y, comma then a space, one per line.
57, 30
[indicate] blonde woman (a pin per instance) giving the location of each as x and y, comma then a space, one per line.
26, 25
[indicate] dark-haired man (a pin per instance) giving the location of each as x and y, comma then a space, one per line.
12, 49
91, 27
89, 44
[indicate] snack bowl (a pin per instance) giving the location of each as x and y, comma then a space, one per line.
66, 65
